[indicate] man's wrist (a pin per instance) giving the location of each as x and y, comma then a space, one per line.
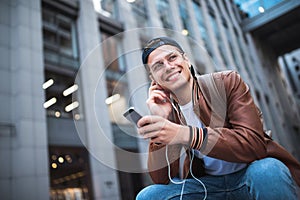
197, 136
185, 135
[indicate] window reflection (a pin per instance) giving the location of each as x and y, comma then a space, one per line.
70, 175
108, 8
256, 7
61, 98
164, 12
116, 81
185, 18
61, 63
140, 12
202, 27
232, 50
60, 44
219, 39
124, 133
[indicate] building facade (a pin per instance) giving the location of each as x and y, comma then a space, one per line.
69, 69
290, 65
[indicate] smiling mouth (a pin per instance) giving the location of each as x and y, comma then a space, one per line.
173, 76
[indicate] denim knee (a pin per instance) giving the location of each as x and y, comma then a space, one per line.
142, 194
269, 178
147, 193
268, 170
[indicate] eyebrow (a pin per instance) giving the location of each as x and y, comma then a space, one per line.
168, 55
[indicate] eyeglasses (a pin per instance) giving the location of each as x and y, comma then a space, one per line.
172, 58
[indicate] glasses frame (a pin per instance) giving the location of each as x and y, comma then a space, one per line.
171, 58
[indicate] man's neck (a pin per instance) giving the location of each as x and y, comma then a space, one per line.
184, 94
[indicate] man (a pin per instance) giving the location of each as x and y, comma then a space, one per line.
228, 159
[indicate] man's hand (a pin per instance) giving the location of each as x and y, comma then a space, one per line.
161, 130
159, 101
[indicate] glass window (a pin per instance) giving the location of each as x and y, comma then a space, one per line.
225, 6
241, 50
243, 54
255, 7
164, 12
232, 50
202, 28
60, 40
116, 81
219, 40
61, 63
140, 12
69, 173
62, 98
108, 8
185, 18
124, 133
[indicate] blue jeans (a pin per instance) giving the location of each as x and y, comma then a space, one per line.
263, 179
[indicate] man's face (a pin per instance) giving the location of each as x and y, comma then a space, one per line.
169, 67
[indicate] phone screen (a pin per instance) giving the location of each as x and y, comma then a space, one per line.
132, 115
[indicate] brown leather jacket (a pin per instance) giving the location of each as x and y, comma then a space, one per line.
238, 137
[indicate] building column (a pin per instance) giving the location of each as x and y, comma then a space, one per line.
138, 86
98, 131
211, 35
154, 18
198, 54
219, 16
23, 135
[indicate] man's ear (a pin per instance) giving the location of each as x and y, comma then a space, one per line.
185, 57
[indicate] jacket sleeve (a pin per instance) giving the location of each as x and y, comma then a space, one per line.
158, 165
241, 139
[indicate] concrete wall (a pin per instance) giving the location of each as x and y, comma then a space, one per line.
24, 147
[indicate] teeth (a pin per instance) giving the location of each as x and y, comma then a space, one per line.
173, 76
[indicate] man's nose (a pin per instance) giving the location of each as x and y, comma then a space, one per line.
169, 65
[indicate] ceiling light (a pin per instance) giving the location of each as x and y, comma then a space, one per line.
48, 83
61, 159
54, 165
50, 102
77, 116
57, 114
68, 158
112, 99
53, 157
185, 32
261, 9
70, 90
71, 106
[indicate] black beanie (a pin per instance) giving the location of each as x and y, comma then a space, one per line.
155, 43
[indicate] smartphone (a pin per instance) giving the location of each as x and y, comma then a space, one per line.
132, 115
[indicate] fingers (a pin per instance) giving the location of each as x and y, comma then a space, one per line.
162, 131
152, 135
157, 93
150, 125
148, 119
153, 127
155, 87
157, 96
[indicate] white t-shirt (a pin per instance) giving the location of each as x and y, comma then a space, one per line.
212, 166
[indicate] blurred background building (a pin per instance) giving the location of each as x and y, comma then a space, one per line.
50, 143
